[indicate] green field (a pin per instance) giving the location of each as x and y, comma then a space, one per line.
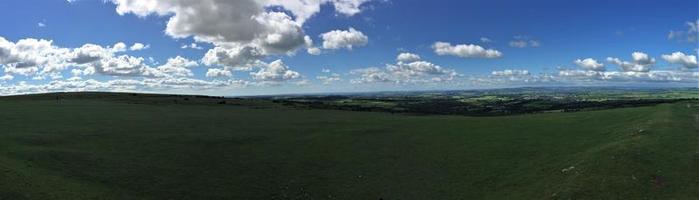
120, 148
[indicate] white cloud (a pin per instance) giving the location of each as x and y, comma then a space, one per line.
590, 64
408, 57
206, 20
243, 32
629, 76
348, 7
237, 23
158, 84
138, 46
236, 58
216, 72
6, 77
38, 58
523, 43
88, 53
176, 67
687, 61
304, 9
314, 51
329, 77
119, 47
41, 25
641, 62
27, 56
518, 44
486, 40
92, 58
408, 69
465, 50
123, 65
416, 68
512, 77
276, 71
283, 35
689, 35
370, 75
510, 73
192, 46
230, 25
348, 39
76, 72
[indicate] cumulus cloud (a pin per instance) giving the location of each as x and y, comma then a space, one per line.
123, 65
159, 84
30, 53
590, 64
217, 73
6, 77
231, 21
88, 53
408, 57
39, 58
244, 32
639, 69
347, 39
138, 46
282, 36
237, 58
687, 61
641, 62
119, 47
465, 50
409, 69
371, 75
275, 71
304, 9
348, 7
314, 51
175, 67
237, 23
417, 68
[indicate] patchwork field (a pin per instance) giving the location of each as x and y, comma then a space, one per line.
121, 146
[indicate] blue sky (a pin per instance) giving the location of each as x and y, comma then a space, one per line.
537, 42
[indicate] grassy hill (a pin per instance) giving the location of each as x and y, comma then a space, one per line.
126, 146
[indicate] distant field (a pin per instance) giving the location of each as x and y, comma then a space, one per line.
494, 102
120, 146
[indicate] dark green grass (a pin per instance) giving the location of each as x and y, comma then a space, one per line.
92, 148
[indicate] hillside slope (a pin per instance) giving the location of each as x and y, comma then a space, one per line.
86, 148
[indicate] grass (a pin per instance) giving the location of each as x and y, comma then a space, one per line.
95, 148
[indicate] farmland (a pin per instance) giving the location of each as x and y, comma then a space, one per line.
126, 146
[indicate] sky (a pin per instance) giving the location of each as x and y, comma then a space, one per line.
256, 47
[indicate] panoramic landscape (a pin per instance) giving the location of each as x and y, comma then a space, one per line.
349, 99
